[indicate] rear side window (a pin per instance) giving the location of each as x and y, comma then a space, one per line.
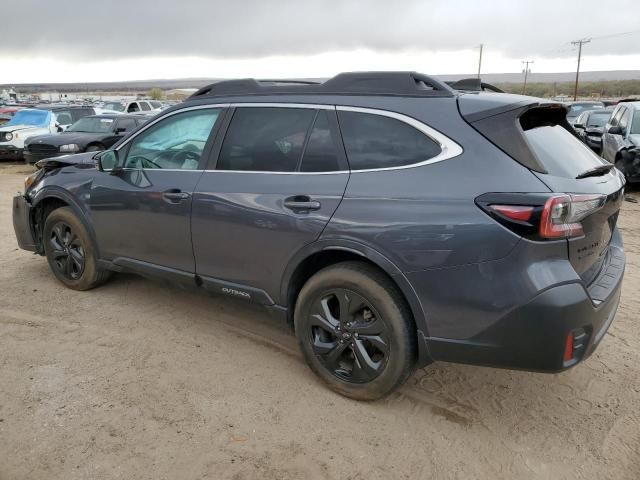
376, 141
560, 152
265, 139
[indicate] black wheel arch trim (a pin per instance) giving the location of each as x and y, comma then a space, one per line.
367, 253
64, 195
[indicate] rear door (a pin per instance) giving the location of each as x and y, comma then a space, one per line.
273, 183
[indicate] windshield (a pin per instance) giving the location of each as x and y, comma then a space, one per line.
598, 119
635, 124
36, 118
92, 125
117, 106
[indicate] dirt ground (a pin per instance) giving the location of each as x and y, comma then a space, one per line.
135, 380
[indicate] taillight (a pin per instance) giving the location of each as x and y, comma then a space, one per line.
561, 215
541, 216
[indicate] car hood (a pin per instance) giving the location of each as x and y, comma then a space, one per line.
66, 160
65, 138
16, 128
635, 139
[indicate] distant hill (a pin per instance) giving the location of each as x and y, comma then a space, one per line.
144, 85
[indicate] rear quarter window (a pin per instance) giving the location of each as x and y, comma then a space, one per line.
375, 141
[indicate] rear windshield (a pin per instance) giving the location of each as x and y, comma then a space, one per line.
561, 153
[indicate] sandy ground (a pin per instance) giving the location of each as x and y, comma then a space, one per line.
136, 380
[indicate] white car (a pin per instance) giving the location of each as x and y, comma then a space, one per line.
138, 106
29, 122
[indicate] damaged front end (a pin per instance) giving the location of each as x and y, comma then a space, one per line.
629, 164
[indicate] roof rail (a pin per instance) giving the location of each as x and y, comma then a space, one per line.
352, 83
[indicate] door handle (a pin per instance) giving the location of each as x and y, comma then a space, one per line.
175, 196
301, 202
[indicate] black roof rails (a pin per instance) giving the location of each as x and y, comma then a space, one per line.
353, 83
473, 85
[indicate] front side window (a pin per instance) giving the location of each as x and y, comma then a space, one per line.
133, 108
624, 121
635, 124
376, 141
266, 139
616, 117
176, 142
63, 117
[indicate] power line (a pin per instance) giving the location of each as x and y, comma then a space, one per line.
526, 72
579, 43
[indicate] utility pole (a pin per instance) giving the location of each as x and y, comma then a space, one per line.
480, 60
579, 43
526, 72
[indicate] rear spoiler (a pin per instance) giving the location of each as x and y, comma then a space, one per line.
473, 85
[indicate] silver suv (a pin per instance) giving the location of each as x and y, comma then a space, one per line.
621, 140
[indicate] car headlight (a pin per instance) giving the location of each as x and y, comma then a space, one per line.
29, 180
8, 137
71, 147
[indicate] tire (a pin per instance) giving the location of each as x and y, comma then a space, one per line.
70, 251
370, 350
95, 148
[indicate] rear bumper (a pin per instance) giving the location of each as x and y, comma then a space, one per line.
532, 335
22, 223
10, 153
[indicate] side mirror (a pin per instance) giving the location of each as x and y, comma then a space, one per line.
578, 125
59, 127
108, 161
615, 130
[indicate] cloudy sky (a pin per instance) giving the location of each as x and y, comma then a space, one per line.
105, 40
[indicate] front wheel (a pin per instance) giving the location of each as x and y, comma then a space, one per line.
70, 251
355, 330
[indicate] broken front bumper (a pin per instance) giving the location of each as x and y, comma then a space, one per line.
22, 223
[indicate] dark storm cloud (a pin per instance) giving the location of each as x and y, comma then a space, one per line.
110, 29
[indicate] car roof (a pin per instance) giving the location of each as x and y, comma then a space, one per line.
634, 105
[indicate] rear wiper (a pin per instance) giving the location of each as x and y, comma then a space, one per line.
595, 172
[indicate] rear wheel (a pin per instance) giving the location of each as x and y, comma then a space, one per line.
70, 251
355, 330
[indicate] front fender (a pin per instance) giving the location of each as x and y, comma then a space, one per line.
78, 206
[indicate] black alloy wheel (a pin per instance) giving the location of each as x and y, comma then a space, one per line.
67, 251
348, 336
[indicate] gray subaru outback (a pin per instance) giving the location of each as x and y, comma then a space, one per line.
390, 220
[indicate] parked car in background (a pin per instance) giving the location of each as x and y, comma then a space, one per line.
391, 220
29, 122
89, 134
139, 106
621, 140
576, 108
7, 113
589, 126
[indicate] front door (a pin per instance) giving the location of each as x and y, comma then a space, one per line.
142, 214
279, 177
